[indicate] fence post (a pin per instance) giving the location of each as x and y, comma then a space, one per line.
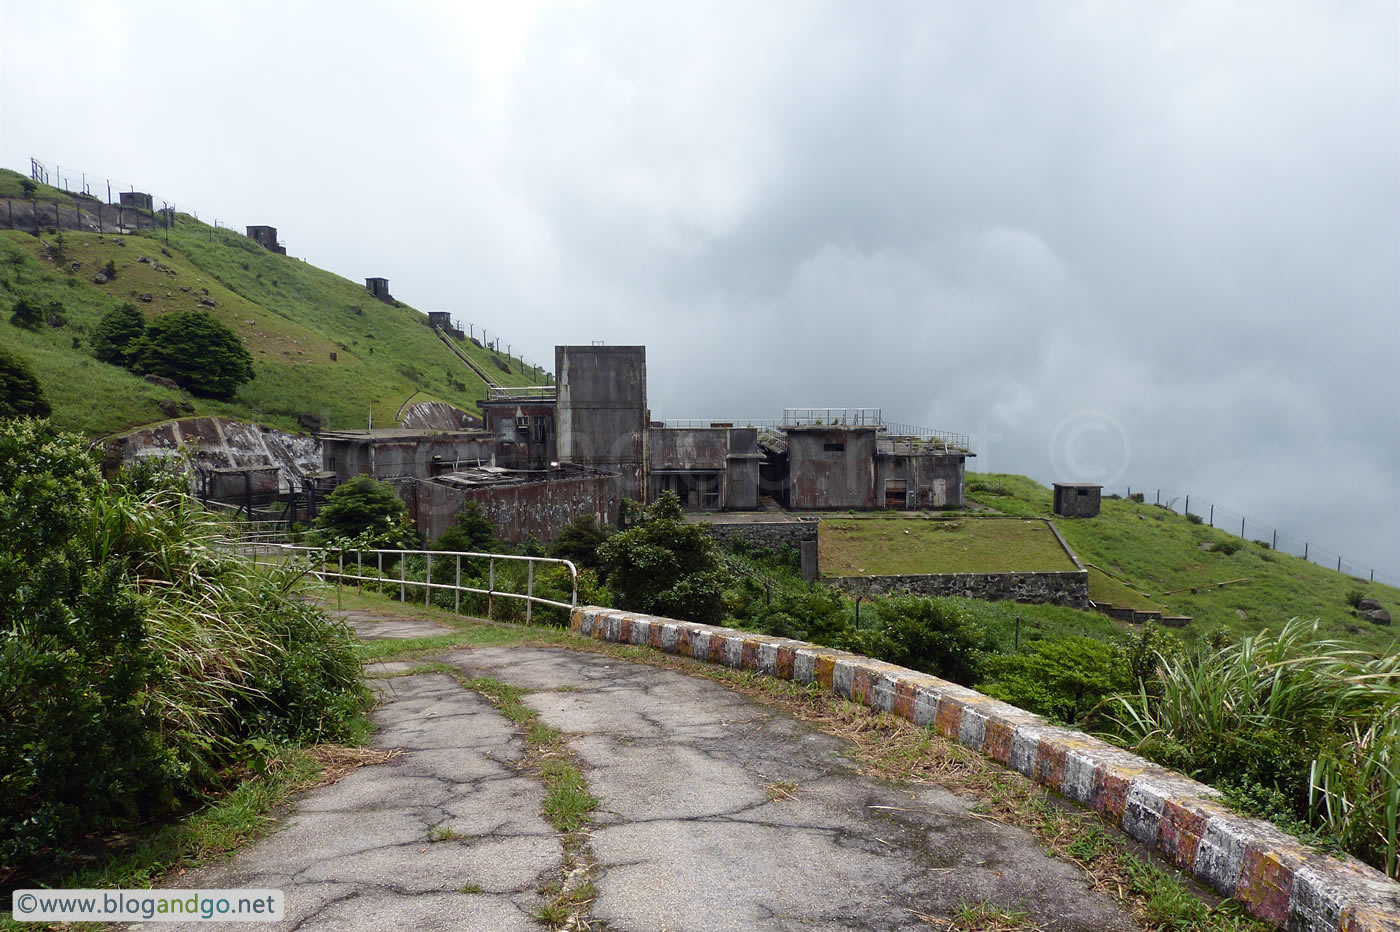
1305, 550
529, 589
457, 593
428, 581
1212, 516
403, 589
1275, 547
491, 590
1339, 564
1242, 527
360, 571
379, 572
1188, 504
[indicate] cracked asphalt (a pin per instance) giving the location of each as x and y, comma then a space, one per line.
715, 813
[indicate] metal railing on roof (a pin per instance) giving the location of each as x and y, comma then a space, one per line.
839, 417
707, 422
903, 438
540, 393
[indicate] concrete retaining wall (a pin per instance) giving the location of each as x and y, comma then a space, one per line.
1067, 588
770, 534
1272, 874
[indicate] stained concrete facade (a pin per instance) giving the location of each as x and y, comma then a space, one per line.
602, 413
518, 504
392, 453
523, 432
831, 467
379, 288
915, 480
709, 468
1077, 499
137, 199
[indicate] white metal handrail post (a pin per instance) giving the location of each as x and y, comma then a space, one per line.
529, 589
457, 588
403, 580
428, 580
491, 590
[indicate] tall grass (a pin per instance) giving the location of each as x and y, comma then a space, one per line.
1310, 720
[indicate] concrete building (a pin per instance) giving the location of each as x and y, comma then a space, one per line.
266, 237
709, 468
379, 288
137, 199
1077, 499
522, 423
395, 452
518, 503
601, 412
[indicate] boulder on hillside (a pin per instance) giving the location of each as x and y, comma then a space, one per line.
1377, 616
99, 279
168, 408
1367, 605
162, 380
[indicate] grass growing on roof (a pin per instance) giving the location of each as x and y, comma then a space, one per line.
864, 547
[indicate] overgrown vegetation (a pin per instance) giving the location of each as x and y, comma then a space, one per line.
139, 667
20, 394
196, 351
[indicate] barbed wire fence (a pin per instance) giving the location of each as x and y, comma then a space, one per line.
1222, 518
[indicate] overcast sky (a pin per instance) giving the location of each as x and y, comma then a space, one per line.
1149, 244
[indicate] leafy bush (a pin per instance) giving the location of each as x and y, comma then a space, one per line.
1193, 518
1225, 547
665, 566
1354, 597
20, 394
118, 334
366, 510
201, 354
113, 705
579, 542
473, 532
932, 635
26, 315
1065, 680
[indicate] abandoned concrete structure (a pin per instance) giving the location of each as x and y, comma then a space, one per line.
1077, 499
137, 199
379, 288
266, 237
592, 432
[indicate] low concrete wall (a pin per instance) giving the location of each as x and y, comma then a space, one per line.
1272, 874
770, 534
533, 509
1067, 588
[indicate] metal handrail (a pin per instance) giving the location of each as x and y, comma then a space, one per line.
836, 417
521, 392
340, 575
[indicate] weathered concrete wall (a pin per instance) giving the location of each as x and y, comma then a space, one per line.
1069, 588
726, 458
221, 443
1076, 500
770, 534
602, 410
524, 433
90, 216
931, 480
417, 457
1273, 875
532, 509
821, 476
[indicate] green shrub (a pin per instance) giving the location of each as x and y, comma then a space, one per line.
1193, 518
26, 315
1354, 597
1064, 680
931, 635
201, 354
118, 334
1226, 547
579, 542
20, 394
665, 566
368, 511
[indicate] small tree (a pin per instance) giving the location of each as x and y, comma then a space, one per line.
1063, 679
579, 542
26, 315
20, 394
666, 566
118, 334
197, 351
472, 533
364, 507
932, 635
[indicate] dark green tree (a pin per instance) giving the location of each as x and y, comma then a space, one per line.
197, 351
579, 542
364, 506
473, 532
665, 566
20, 394
26, 315
118, 334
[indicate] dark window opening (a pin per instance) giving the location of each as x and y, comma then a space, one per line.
833, 447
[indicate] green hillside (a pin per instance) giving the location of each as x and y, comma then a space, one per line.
1164, 555
291, 316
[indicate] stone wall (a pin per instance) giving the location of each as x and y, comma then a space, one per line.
1069, 588
1274, 876
771, 534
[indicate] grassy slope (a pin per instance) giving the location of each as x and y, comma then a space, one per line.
291, 316
1159, 551
855, 546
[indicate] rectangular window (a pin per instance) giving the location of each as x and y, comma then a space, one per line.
833, 447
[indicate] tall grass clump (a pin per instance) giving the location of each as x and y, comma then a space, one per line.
140, 667
1302, 726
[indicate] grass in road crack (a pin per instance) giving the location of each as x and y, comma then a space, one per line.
568, 805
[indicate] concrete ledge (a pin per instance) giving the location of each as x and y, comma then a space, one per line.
1273, 875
